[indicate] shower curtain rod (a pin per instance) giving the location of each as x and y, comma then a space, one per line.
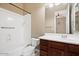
19, 8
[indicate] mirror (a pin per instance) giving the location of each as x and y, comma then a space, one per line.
62, 18
57, 18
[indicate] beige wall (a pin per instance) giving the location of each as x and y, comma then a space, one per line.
49, 20
38, 18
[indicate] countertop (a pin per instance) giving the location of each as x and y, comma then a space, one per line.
59, 39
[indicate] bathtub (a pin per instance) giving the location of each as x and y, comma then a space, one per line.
28, 51
19, 51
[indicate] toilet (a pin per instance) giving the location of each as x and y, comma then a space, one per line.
30, 50
35, 42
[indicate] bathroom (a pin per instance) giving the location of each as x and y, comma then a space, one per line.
39, 29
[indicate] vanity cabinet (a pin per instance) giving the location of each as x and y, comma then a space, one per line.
51, 48
54, 48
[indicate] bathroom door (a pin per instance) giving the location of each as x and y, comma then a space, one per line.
61, 25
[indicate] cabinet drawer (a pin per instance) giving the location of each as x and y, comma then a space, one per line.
57, 45
72, 54
43, 53
45, 48
56, 52
44, 42
73, 48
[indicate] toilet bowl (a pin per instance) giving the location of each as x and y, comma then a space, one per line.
35, 42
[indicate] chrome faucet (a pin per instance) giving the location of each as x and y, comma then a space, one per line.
64, 36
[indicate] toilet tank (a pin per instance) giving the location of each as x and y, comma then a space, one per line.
35, 42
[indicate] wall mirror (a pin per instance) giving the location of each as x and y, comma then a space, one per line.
57, 18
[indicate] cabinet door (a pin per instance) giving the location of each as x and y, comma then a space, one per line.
43, 47
56, 52
43, 53
73, 50
43, 42
57, 45
72, 54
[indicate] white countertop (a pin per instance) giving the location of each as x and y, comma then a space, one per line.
60, 39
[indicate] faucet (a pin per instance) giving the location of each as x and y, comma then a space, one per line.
64, 36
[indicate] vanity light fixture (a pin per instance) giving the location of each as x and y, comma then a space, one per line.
51, 5
57, 4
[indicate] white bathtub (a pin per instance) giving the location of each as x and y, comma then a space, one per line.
28, 51
19, 51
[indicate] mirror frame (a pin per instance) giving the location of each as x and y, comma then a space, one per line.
73, 19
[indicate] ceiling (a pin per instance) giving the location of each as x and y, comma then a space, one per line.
32, 6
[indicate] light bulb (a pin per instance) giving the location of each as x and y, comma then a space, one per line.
50, 5
57, 3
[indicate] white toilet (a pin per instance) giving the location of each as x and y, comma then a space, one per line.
35, 42
29, 51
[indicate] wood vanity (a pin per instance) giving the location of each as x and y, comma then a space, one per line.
56, 48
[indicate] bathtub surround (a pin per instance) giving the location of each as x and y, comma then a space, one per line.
15, 32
